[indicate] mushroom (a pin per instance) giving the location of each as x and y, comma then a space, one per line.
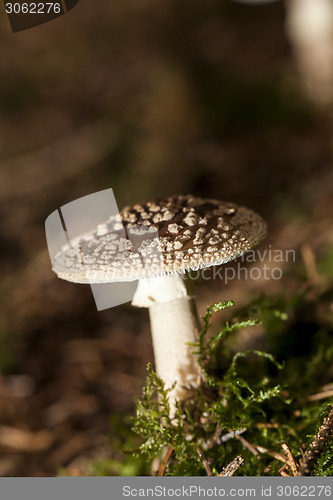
309, 25
165, 238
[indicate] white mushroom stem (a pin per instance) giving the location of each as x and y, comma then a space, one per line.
173, 326
310, 30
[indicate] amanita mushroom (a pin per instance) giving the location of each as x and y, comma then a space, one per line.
164, 239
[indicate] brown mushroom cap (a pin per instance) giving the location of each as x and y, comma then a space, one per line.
164, 236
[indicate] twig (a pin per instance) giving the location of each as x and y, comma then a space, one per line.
273, 454
165, 461
23, 441
264, 425
307, 464
327, 387
282, 468
232, 434
199, 375
291, 460
216, 439
320, 395
267, 469
204, 461
247, 445
310, 263
231, 468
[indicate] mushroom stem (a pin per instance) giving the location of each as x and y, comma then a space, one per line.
174, 325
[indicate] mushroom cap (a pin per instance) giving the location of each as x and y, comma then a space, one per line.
164, 236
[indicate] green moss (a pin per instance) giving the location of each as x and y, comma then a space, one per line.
262, 393
252, 389
325, 462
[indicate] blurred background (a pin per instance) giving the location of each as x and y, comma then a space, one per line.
205, 97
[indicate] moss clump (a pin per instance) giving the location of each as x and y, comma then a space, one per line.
249, 392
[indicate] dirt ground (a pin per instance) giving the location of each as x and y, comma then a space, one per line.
191, 97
